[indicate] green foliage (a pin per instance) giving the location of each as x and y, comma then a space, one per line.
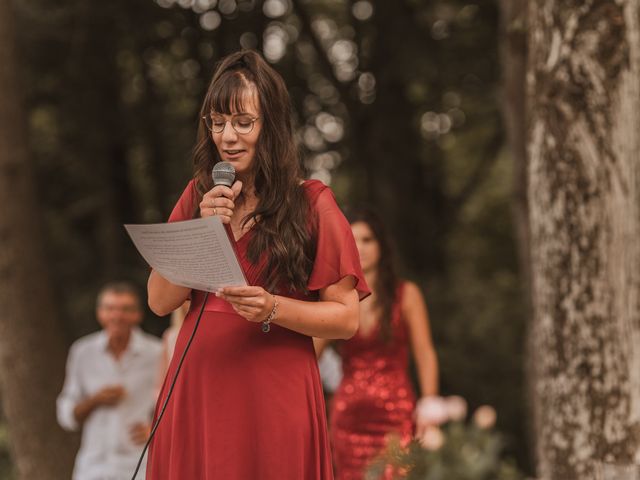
468, 453
6, 470
477, 317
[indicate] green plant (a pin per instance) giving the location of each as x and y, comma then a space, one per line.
458, 450
6, 471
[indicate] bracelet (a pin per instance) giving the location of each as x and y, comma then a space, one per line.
266, 324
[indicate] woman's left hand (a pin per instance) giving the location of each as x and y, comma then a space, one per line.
253, 303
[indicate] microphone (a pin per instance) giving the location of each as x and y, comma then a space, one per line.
223, 173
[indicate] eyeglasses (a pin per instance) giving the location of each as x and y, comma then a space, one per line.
242, 124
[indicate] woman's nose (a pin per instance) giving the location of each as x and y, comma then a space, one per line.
228, 133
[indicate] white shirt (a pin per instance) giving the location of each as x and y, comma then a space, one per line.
106, 451
330, 365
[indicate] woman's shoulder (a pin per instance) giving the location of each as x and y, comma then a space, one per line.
190, 191
408, 293
407, 287
187, 203
320, 196
313, 186
192, 187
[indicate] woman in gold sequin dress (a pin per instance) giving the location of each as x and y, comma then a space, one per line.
376, 397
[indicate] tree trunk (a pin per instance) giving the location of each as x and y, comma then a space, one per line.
32, 351
584, 198
514, 65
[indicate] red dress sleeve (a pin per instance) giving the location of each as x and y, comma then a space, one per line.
336, 252
187, 204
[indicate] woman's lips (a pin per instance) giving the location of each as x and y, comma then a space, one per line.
232, 154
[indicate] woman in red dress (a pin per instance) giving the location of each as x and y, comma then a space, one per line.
375, 397
248, 403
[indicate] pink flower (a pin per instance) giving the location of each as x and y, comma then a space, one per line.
485, 417
433, 438
432, 410
456, 408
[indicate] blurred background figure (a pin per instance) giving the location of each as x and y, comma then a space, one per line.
109, 387
376, 397
169, 338
330, 365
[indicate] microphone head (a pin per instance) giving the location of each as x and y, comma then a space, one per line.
223, 173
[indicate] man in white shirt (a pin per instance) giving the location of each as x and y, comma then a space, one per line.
109, 388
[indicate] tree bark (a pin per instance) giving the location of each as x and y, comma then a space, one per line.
584, 198
32, 350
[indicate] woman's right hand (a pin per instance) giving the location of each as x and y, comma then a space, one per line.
220, 201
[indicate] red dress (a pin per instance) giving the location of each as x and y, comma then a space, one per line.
248, 405
374, 399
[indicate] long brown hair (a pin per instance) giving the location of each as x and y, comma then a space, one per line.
282, 228
386, 283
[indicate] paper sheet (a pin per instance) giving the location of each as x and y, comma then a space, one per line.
194, 253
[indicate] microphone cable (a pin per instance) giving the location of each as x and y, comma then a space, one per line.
173, 383
222, 173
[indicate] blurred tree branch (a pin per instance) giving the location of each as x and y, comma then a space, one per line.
322, 55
